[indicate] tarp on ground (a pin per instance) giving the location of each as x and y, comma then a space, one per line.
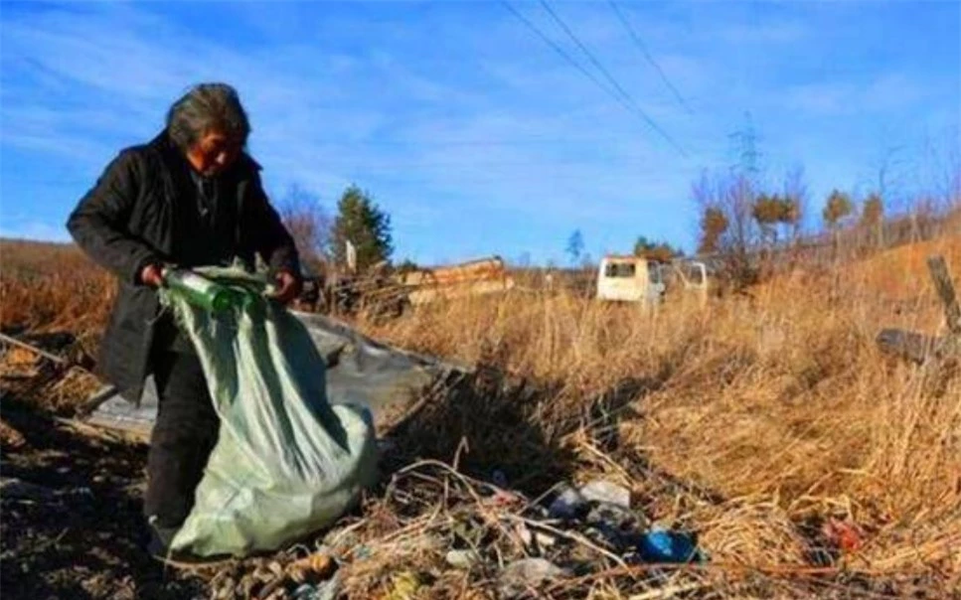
287, 460
359, 370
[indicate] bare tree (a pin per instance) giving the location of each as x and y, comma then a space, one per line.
726, 204
310, 226
796, 193
872, 218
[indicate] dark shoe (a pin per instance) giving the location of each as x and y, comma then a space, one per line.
160, 539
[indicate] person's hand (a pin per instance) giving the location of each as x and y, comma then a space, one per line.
151, 275
288, 287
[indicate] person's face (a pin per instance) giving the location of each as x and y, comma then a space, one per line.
213, 153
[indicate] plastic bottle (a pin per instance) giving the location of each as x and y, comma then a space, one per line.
200, 291
661, 546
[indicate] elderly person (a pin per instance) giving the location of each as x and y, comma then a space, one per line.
190, 197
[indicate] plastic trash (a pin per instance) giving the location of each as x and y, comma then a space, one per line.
613, 516
568, 504
663, 546
535, 540
845, 535
527, 574
602, 490
615, 524
462, 559
324, 590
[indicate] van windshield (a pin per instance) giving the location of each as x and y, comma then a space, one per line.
620, 270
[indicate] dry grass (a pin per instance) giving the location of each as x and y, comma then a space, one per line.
777, 407
753, 421
49, 287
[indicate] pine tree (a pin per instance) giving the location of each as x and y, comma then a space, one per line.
361, 222
713, 225
575, 246
837, 207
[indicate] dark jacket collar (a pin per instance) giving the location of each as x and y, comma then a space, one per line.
173, 157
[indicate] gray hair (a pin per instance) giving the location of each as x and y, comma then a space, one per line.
207, 107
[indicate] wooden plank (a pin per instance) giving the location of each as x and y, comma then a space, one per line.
39, 351
917, 347
945, 288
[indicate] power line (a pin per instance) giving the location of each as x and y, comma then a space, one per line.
567, 57
626, 97
647, 55
563, 53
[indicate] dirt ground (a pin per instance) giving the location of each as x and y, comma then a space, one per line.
78, 533
71, 496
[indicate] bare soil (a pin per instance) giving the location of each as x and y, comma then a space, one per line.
79, 532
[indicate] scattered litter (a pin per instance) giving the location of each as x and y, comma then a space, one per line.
535, 541
602, 490
528, 574
462, 559
663, 546
324, 590
569, 504
847, 536
503, 498
615, 525
613, 516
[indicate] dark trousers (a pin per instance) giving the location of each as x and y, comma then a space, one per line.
183, 436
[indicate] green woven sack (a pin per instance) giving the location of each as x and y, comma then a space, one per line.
287, 463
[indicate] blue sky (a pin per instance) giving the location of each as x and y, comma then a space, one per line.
472, 132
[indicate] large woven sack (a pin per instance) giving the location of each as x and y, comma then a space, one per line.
286, 462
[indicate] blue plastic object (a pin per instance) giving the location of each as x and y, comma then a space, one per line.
661, 546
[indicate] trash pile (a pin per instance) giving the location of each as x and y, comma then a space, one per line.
435, 532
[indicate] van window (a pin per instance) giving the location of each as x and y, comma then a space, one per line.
694, 274
653, 272
614, 269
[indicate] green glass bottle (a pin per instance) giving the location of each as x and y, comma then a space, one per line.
200, 291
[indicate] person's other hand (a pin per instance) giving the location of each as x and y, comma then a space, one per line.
288, 287
151, 275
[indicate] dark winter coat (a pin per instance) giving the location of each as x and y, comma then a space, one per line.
133, 217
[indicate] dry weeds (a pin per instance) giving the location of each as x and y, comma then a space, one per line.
754, 420
776, 406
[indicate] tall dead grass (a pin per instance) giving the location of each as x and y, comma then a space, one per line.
777, 406
753, 420
48, 287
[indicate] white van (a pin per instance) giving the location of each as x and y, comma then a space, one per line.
639, 279
629, 279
